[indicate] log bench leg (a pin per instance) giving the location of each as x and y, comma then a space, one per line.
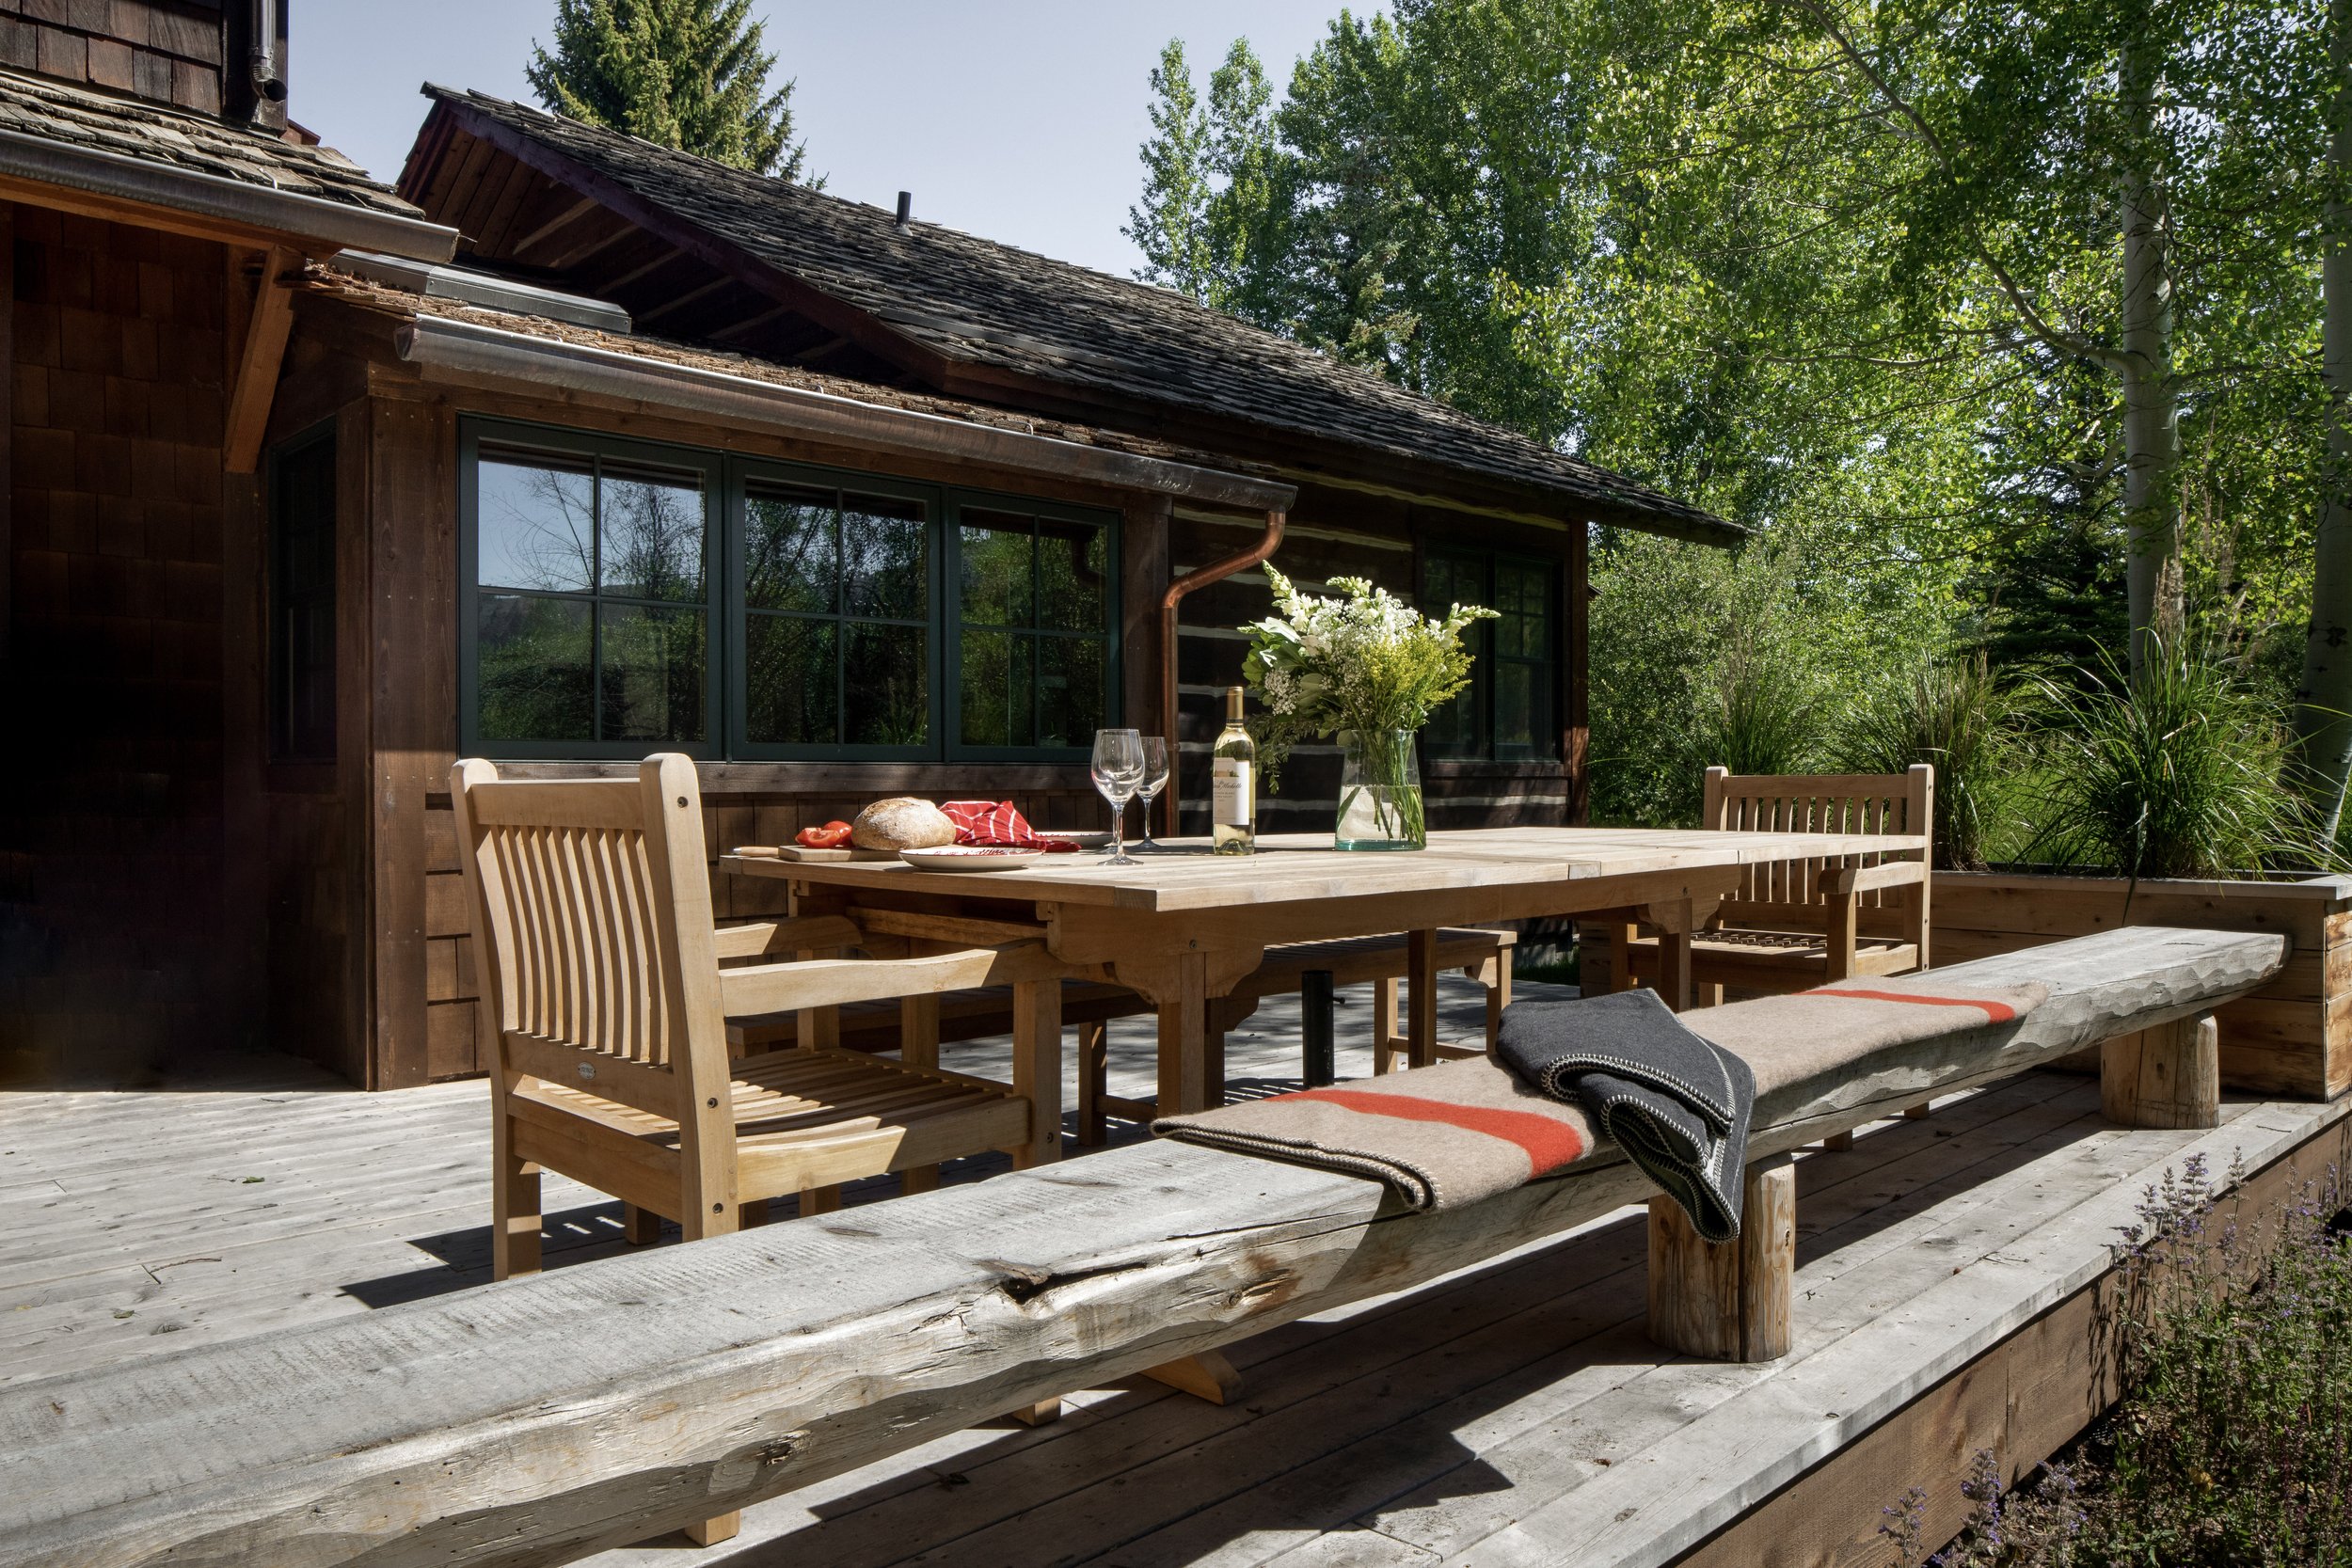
1094, 1066
1205, 1376
1318, 1054
1838, 1143
640, 1226
1386, 1042
1729, 1302
711, 1531
2167, 1076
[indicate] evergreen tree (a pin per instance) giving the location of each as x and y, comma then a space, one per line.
683, 73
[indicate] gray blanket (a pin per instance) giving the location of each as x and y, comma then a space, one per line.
1679, 1105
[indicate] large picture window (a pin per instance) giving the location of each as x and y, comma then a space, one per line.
1509, 713
624, 595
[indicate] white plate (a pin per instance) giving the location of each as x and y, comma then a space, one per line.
1095, 838
970, 857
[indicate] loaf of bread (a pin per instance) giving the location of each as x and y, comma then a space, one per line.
901, 822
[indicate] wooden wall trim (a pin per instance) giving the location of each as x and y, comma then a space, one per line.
354, 686
8, 427
1576, 678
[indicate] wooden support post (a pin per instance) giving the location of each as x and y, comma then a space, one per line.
247, 417
1673, 969
2167, 1076
1839, 1143
1384, 1027
1318, 1053
918, 1046
1622, 936
1729, 1302
1919, 1112
1036, 1067
640, 1226
1421, 975
1094, 1056
1184, 1019
1495, 974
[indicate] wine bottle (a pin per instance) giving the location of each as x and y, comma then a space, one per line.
1234, 783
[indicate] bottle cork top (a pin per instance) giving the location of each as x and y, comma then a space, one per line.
1232, 705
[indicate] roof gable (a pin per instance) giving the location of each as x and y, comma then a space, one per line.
972, 317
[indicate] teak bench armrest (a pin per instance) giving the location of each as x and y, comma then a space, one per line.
1845, 882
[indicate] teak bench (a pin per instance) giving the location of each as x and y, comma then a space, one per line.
541, 1419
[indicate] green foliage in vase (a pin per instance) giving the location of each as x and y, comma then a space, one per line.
1368, 662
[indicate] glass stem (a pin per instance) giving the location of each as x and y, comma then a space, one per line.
1119, 830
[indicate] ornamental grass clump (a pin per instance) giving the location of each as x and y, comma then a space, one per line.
1957, 717
2173, 773
1368, 663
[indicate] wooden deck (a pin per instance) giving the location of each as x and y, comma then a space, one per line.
1512, 1414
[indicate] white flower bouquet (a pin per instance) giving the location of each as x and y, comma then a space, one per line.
1369, 668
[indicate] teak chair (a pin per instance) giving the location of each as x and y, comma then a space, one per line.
1793, 925
604, 1013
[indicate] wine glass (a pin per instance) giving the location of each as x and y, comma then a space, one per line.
1118, 769
1154, 779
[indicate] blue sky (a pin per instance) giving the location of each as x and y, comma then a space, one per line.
1018, 120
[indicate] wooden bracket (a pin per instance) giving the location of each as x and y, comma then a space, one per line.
1732, 1301
265, 337
2167, 1076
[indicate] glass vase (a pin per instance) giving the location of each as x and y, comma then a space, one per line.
1380, 805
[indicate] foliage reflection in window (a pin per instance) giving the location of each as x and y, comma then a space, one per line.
1033, 600
836, 600
591, 607
1508, 713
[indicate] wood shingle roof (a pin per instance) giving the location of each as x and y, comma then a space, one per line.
977, 317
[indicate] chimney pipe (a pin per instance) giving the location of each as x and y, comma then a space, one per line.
906, 212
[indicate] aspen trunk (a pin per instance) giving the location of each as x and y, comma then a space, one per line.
2323, 708
2151, 435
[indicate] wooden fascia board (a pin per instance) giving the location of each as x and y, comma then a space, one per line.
836, 315
265, 333
1346, 465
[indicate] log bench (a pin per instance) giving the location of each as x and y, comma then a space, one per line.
540, 1420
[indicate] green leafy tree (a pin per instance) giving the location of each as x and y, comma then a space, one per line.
683, 73
1215, 193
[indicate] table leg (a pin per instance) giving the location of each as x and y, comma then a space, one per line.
918, 1046
1673, 969
1184, 1037
1036, 1067
1420, 1030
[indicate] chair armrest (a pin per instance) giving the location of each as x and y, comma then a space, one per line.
785, 936
1849, 879
834, 982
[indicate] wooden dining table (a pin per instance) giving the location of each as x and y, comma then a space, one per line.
1183, 928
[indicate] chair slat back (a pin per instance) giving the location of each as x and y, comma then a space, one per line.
1820, 803
593, 927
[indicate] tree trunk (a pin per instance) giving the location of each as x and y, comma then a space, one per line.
2322, 709
2151, 435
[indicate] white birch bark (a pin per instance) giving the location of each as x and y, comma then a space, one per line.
2151, 435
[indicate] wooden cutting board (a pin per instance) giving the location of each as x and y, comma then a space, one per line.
802, 852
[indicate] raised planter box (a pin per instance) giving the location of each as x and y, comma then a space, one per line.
2293, 1038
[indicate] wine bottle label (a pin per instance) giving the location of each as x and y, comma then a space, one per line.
1234, 798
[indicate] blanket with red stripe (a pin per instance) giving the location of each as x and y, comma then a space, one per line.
1447, 1136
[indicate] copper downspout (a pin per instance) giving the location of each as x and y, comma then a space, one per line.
1214, 572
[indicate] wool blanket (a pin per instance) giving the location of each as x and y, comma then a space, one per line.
1678, 1104
1441, 1136
1447, 1136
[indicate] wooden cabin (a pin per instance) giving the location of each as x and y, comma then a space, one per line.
575, 448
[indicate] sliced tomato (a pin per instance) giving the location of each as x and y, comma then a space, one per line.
833, 835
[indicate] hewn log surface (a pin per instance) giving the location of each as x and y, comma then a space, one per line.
532, 1421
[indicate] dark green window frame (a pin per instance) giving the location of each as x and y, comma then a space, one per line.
730, 484
1465, 730
600, 455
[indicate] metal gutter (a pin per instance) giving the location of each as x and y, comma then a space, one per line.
469, 287
467, 351
231, 202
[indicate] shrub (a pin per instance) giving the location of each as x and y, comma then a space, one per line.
2229, 1447
2173, 774
1955, 716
